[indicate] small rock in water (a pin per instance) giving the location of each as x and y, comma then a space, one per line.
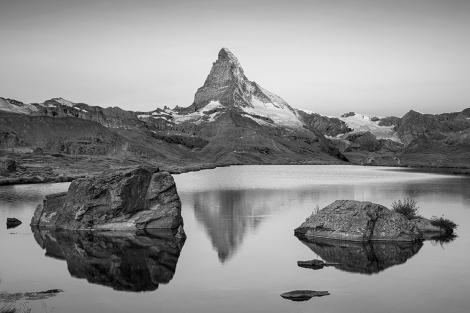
314, 264
13, 222
303, 295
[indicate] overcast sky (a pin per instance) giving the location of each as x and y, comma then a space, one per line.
375, 57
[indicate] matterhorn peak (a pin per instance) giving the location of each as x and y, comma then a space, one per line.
225, 55
228, 87
225, 79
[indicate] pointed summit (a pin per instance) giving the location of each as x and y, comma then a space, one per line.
227, 86
226, 82
227, 56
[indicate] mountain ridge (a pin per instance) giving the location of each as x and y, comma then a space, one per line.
233, 120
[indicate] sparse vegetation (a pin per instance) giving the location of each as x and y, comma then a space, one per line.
408, 207
317, 209
444, 223
442, 240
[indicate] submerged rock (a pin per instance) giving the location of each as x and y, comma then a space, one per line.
314, 264
131, 199
13, 222
303, 295
34, 295
358, 221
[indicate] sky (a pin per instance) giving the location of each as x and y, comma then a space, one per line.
369, 56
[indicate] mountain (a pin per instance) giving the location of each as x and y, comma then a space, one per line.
243, 122
439, 140
416, 139
232, 120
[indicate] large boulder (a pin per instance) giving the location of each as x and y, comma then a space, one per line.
138, 198
358, 221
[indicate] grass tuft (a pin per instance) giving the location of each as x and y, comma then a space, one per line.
408, 207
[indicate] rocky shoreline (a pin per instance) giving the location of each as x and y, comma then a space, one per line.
65, 168
58, 168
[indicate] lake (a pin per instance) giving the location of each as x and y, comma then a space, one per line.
240, 253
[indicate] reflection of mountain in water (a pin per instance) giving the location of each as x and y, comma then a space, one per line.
365, 258
229, 215
123, 261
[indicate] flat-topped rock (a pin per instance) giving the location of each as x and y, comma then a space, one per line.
303, 295
358, 221
138, 198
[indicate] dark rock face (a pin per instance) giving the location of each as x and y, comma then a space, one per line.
363, 257
329, 126
440, 140
438, 126
120, 260
364, 140
358, 221
13, 222
108, 117
226, 83
389, 121
7, 165
303, 295
58, 135
131, 199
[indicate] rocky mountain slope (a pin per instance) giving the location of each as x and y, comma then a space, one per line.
233, 120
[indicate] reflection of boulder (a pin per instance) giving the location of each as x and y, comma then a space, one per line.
123, 261
363, 257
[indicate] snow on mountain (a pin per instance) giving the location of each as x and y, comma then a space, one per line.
276, 110
207, 114
64, 102
14, 106
363, 123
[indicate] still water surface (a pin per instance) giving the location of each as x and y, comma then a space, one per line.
240, 252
